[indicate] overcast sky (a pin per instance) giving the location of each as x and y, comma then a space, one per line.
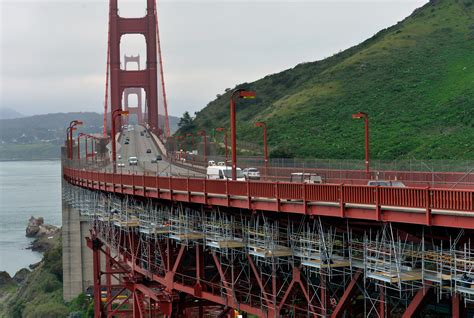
53, 53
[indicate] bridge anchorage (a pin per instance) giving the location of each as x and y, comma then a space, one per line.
154, 237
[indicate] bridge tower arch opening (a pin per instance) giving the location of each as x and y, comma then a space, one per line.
134, 107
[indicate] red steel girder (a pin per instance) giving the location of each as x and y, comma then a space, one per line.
417, 300
349, 292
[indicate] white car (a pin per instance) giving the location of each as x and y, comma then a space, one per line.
120, 164
119, 157
133, 161
251, 173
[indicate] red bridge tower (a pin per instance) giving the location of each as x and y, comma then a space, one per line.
146, 79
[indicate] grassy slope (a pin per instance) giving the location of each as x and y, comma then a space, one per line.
415, 79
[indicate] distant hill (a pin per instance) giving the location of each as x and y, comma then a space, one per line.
46, 128
414, 79
8, 113
40, 136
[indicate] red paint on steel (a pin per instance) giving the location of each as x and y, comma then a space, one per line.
456, 306
146, 79
417, 300
238, 93
349, 292
162, 73
106, 97
405, 205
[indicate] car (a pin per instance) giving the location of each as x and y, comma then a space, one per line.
148, 150
156, 159
305, 177
120, 164
386, 183
127, 142
133, 161
119, 157
148, 136
142, 134
251, 173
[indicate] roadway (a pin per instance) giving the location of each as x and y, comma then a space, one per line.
138, 146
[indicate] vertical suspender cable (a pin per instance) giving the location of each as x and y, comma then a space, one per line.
167, 125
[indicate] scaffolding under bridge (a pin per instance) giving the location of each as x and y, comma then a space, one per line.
192, 260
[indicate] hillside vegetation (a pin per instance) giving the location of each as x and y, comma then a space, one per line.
414, 79
40, 295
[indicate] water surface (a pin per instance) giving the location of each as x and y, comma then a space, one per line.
26, 188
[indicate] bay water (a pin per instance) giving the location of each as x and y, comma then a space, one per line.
27, 188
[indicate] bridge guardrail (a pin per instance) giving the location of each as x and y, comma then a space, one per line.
426, 198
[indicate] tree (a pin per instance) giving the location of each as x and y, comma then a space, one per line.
186, 122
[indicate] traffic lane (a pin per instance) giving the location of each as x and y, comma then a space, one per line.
138, 146
130, 150
164, 167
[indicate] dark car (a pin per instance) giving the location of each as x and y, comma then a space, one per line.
126, 142
148, 150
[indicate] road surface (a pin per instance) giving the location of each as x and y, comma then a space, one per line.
138, 146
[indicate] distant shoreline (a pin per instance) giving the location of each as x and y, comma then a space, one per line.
47, 159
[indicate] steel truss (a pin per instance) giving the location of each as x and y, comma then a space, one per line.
196, 261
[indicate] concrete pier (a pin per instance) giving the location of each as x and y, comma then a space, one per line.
77, 257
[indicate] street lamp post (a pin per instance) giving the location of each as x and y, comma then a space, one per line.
238, 93
67, 141
265, 145
72, 126
203, 134
225, 141
87, 150
115, 114
365, 116
79, 135
94, 140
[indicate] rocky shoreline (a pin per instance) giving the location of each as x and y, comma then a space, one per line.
45, 234
46, 237
37, 291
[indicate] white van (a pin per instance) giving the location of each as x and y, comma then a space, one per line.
216, 172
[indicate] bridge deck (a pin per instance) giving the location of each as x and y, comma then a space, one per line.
424, 206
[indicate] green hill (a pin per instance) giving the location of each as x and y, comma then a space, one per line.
415, 79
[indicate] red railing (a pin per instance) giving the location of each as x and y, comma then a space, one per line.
426, 199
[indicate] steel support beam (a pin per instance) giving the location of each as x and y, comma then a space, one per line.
417, 301
349, 293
